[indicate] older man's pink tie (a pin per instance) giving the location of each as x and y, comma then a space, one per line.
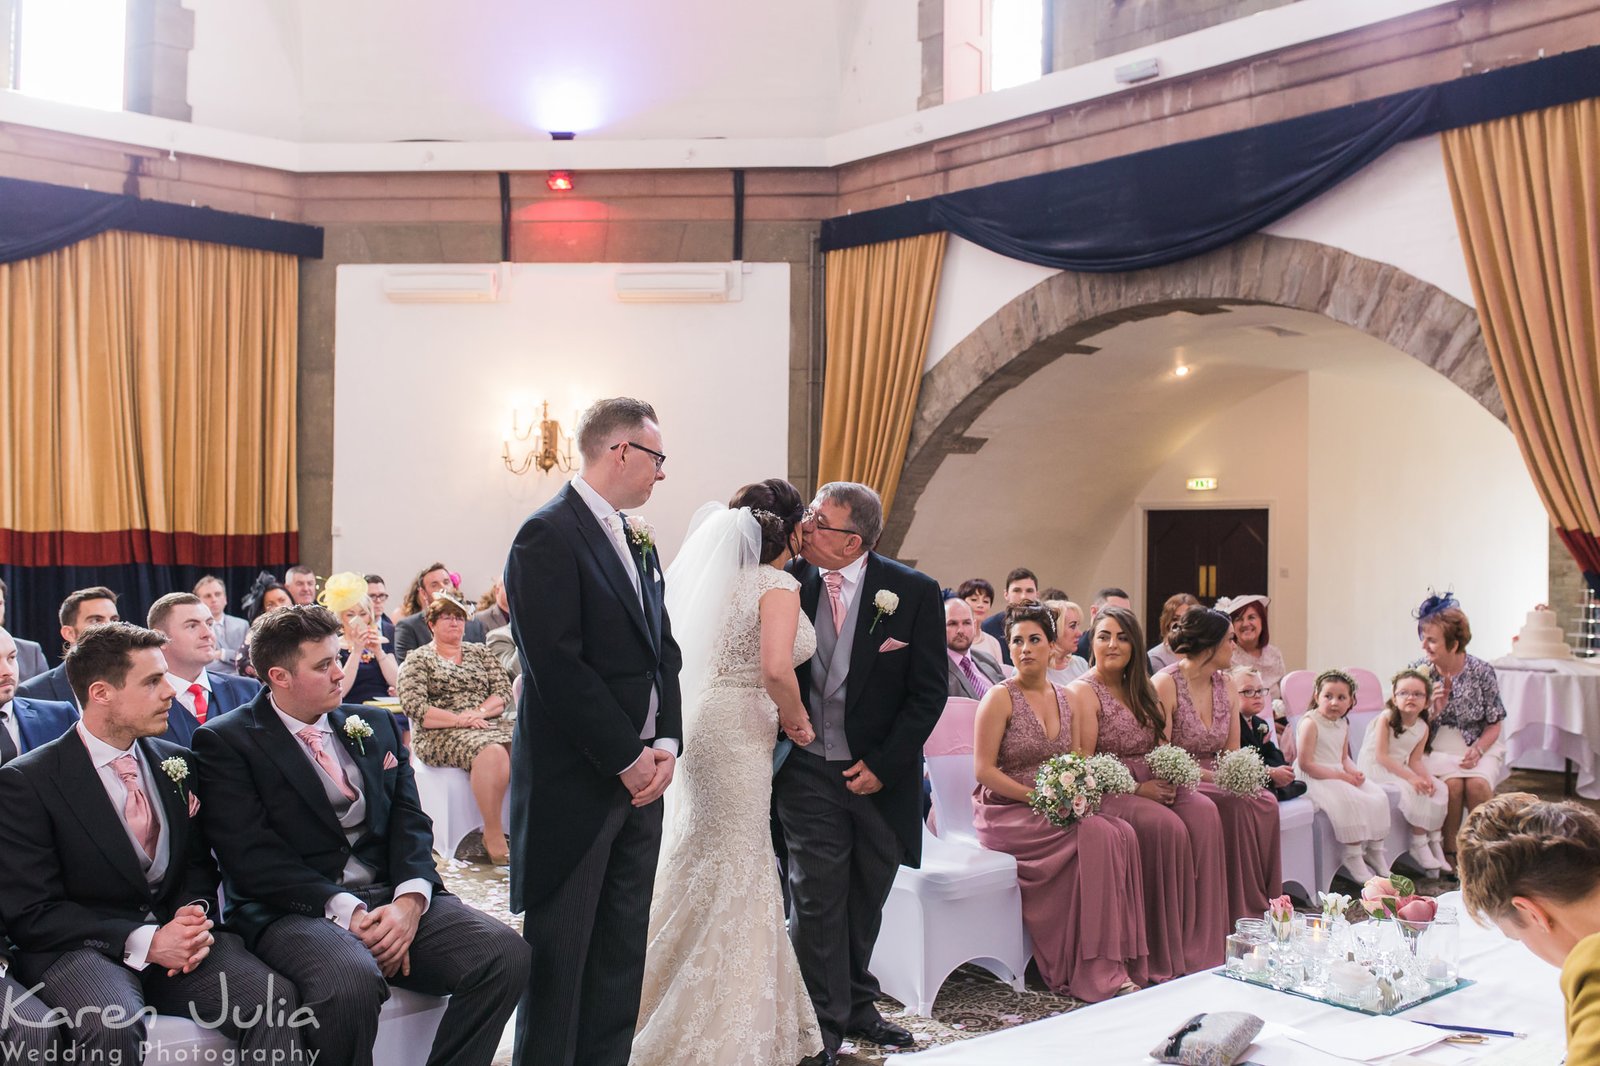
835, 582
136, 805
330, 766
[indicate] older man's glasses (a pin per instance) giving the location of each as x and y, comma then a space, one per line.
651, 452
813, 518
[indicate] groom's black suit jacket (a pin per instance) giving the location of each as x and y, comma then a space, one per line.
69, 878
893, 699
590, 658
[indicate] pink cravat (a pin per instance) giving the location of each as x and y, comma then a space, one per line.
330, 766
835, 582
136, 805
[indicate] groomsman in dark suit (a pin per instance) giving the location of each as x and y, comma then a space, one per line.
851, 801
26, 724
596, 743
200, 693
84, 608
105, 878
30, 656
327, 856
972, 673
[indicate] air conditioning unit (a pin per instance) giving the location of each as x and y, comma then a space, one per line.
481, 286
721, 283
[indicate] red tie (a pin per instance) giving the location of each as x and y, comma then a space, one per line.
198, 691
835, 582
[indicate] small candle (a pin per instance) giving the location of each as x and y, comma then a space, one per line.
1256, 961
1437, 970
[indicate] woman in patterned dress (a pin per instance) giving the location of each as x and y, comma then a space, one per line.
456, 696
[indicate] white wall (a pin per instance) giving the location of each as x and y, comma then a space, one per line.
244, 69
1257, 451
423, 394
1411, 485
880, 62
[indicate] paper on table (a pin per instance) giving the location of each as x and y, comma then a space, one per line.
1532, 1051
1370, 1039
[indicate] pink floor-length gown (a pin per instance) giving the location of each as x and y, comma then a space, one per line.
1249, 823
1081, 898
1180, 853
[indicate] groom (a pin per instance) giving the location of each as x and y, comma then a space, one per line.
597, 737
850, 803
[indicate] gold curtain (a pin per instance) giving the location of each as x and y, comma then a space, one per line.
149, 386
1527, 199
879, 307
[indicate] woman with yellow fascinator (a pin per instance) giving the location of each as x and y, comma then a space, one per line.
375, 673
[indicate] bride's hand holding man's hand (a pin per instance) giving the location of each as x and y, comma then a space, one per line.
799, 730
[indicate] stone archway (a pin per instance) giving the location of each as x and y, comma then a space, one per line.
1054, 317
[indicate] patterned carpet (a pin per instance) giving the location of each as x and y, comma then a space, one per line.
970, 1003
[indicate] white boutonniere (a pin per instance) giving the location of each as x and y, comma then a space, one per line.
178, 770
886, 603
358, 731
642, 533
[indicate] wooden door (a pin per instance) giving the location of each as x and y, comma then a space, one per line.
1205, 553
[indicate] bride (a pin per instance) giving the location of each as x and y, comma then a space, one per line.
721, 983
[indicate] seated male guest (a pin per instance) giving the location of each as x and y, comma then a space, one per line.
301, 581
201, 692
378, 593
1022, 586
328, 856
25, 724
230, 630
30, 656
972, 673
106, 879
84, 608
23, 1024
412, 632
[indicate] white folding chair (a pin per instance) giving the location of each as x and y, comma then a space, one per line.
963, 904
406, 1027
446, 796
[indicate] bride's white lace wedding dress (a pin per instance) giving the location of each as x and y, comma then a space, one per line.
721, 982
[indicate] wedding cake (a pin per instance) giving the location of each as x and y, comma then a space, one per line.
1542, 637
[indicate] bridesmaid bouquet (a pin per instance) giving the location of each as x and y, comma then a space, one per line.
1170, 763
1066, 790
1241, 772
1111, 775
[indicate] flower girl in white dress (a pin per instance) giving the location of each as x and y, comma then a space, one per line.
1392, 753
1357, 808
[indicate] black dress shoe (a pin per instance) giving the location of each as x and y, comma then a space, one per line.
886, 1033
821, 1058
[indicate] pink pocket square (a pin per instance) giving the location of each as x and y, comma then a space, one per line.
194, 805
890, 644
389, 761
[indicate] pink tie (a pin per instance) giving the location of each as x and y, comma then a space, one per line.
980, 684
330, 766
835, 582
198, 692
136, 806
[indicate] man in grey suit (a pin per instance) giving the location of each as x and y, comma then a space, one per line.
30, 656
228, 630
84, 608
972, 673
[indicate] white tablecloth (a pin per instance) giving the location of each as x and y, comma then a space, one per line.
1514, 991
1552, 715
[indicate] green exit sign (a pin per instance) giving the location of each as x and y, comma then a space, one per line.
1202, 484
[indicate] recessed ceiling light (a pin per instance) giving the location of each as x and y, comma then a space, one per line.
1181, 370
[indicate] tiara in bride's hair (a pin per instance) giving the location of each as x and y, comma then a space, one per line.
761, 515
1434, 604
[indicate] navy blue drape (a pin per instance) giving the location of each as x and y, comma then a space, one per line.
36, 218
1170, 203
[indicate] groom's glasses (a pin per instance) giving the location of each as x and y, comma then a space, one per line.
814, 520
657, 456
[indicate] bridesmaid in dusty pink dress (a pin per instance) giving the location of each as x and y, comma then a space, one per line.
1081, 898
1180, 835
1205, 721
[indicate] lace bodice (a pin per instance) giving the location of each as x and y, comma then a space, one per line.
1120, 732
1188, 731
736, 660
1024, 745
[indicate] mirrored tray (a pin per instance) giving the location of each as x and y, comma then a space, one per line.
1332, 998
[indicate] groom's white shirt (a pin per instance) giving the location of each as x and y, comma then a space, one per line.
606, 514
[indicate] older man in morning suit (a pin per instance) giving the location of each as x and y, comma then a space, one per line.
327, 856
106, 880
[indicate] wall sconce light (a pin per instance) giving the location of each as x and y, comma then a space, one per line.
559, 181
549, 446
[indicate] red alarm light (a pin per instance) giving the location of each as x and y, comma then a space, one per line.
559, 181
